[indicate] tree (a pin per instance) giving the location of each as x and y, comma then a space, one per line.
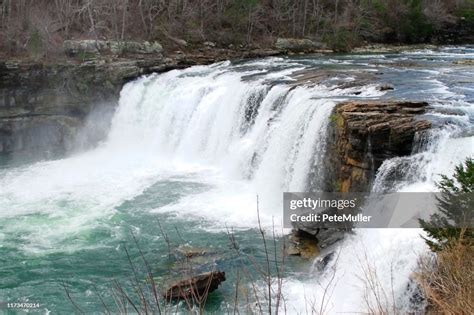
456, 209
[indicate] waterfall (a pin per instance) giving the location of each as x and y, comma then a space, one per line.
251, 130
239, 130
234, 128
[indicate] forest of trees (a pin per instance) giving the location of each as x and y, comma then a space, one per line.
42, 25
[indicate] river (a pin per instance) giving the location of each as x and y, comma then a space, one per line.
187, 153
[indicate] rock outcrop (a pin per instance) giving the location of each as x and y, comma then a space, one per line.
91, 46
302, 244
43, 106
362, 135
366, 133
196, 286
298, 45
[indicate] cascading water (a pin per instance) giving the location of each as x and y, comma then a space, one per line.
206, 140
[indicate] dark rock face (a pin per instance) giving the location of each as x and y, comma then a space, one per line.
42, 107
366, 133
197, 286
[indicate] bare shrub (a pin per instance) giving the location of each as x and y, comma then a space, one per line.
447, 279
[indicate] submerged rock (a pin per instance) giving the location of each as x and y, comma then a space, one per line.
322, 262
469, 62
190, 252
385, 87
198, 285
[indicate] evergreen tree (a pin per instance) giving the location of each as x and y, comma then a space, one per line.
455, 218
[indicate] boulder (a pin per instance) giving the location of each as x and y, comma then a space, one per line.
386, 87
322, 262
190, 252
298, 45
302, 244
195, 286
209, 44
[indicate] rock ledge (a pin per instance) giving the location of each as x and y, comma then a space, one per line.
366, 133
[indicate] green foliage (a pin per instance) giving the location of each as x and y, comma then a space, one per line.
377, 5
456, 209
415, 26
239, 10
333, 118
467, 14
341, 40
35, 44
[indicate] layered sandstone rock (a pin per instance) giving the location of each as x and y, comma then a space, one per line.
365, 133
362, 135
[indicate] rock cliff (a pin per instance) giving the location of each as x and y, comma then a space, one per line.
364, 134
43, 105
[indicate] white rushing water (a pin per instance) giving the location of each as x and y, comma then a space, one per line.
242, 137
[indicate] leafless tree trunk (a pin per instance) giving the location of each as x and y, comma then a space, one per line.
124, 18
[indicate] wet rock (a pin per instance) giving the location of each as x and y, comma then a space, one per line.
468, 62
333, 78
190, 252
298, 45
323, 237
302, 244
385, 87
322, 262
198, 285
364, 134
387, 48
